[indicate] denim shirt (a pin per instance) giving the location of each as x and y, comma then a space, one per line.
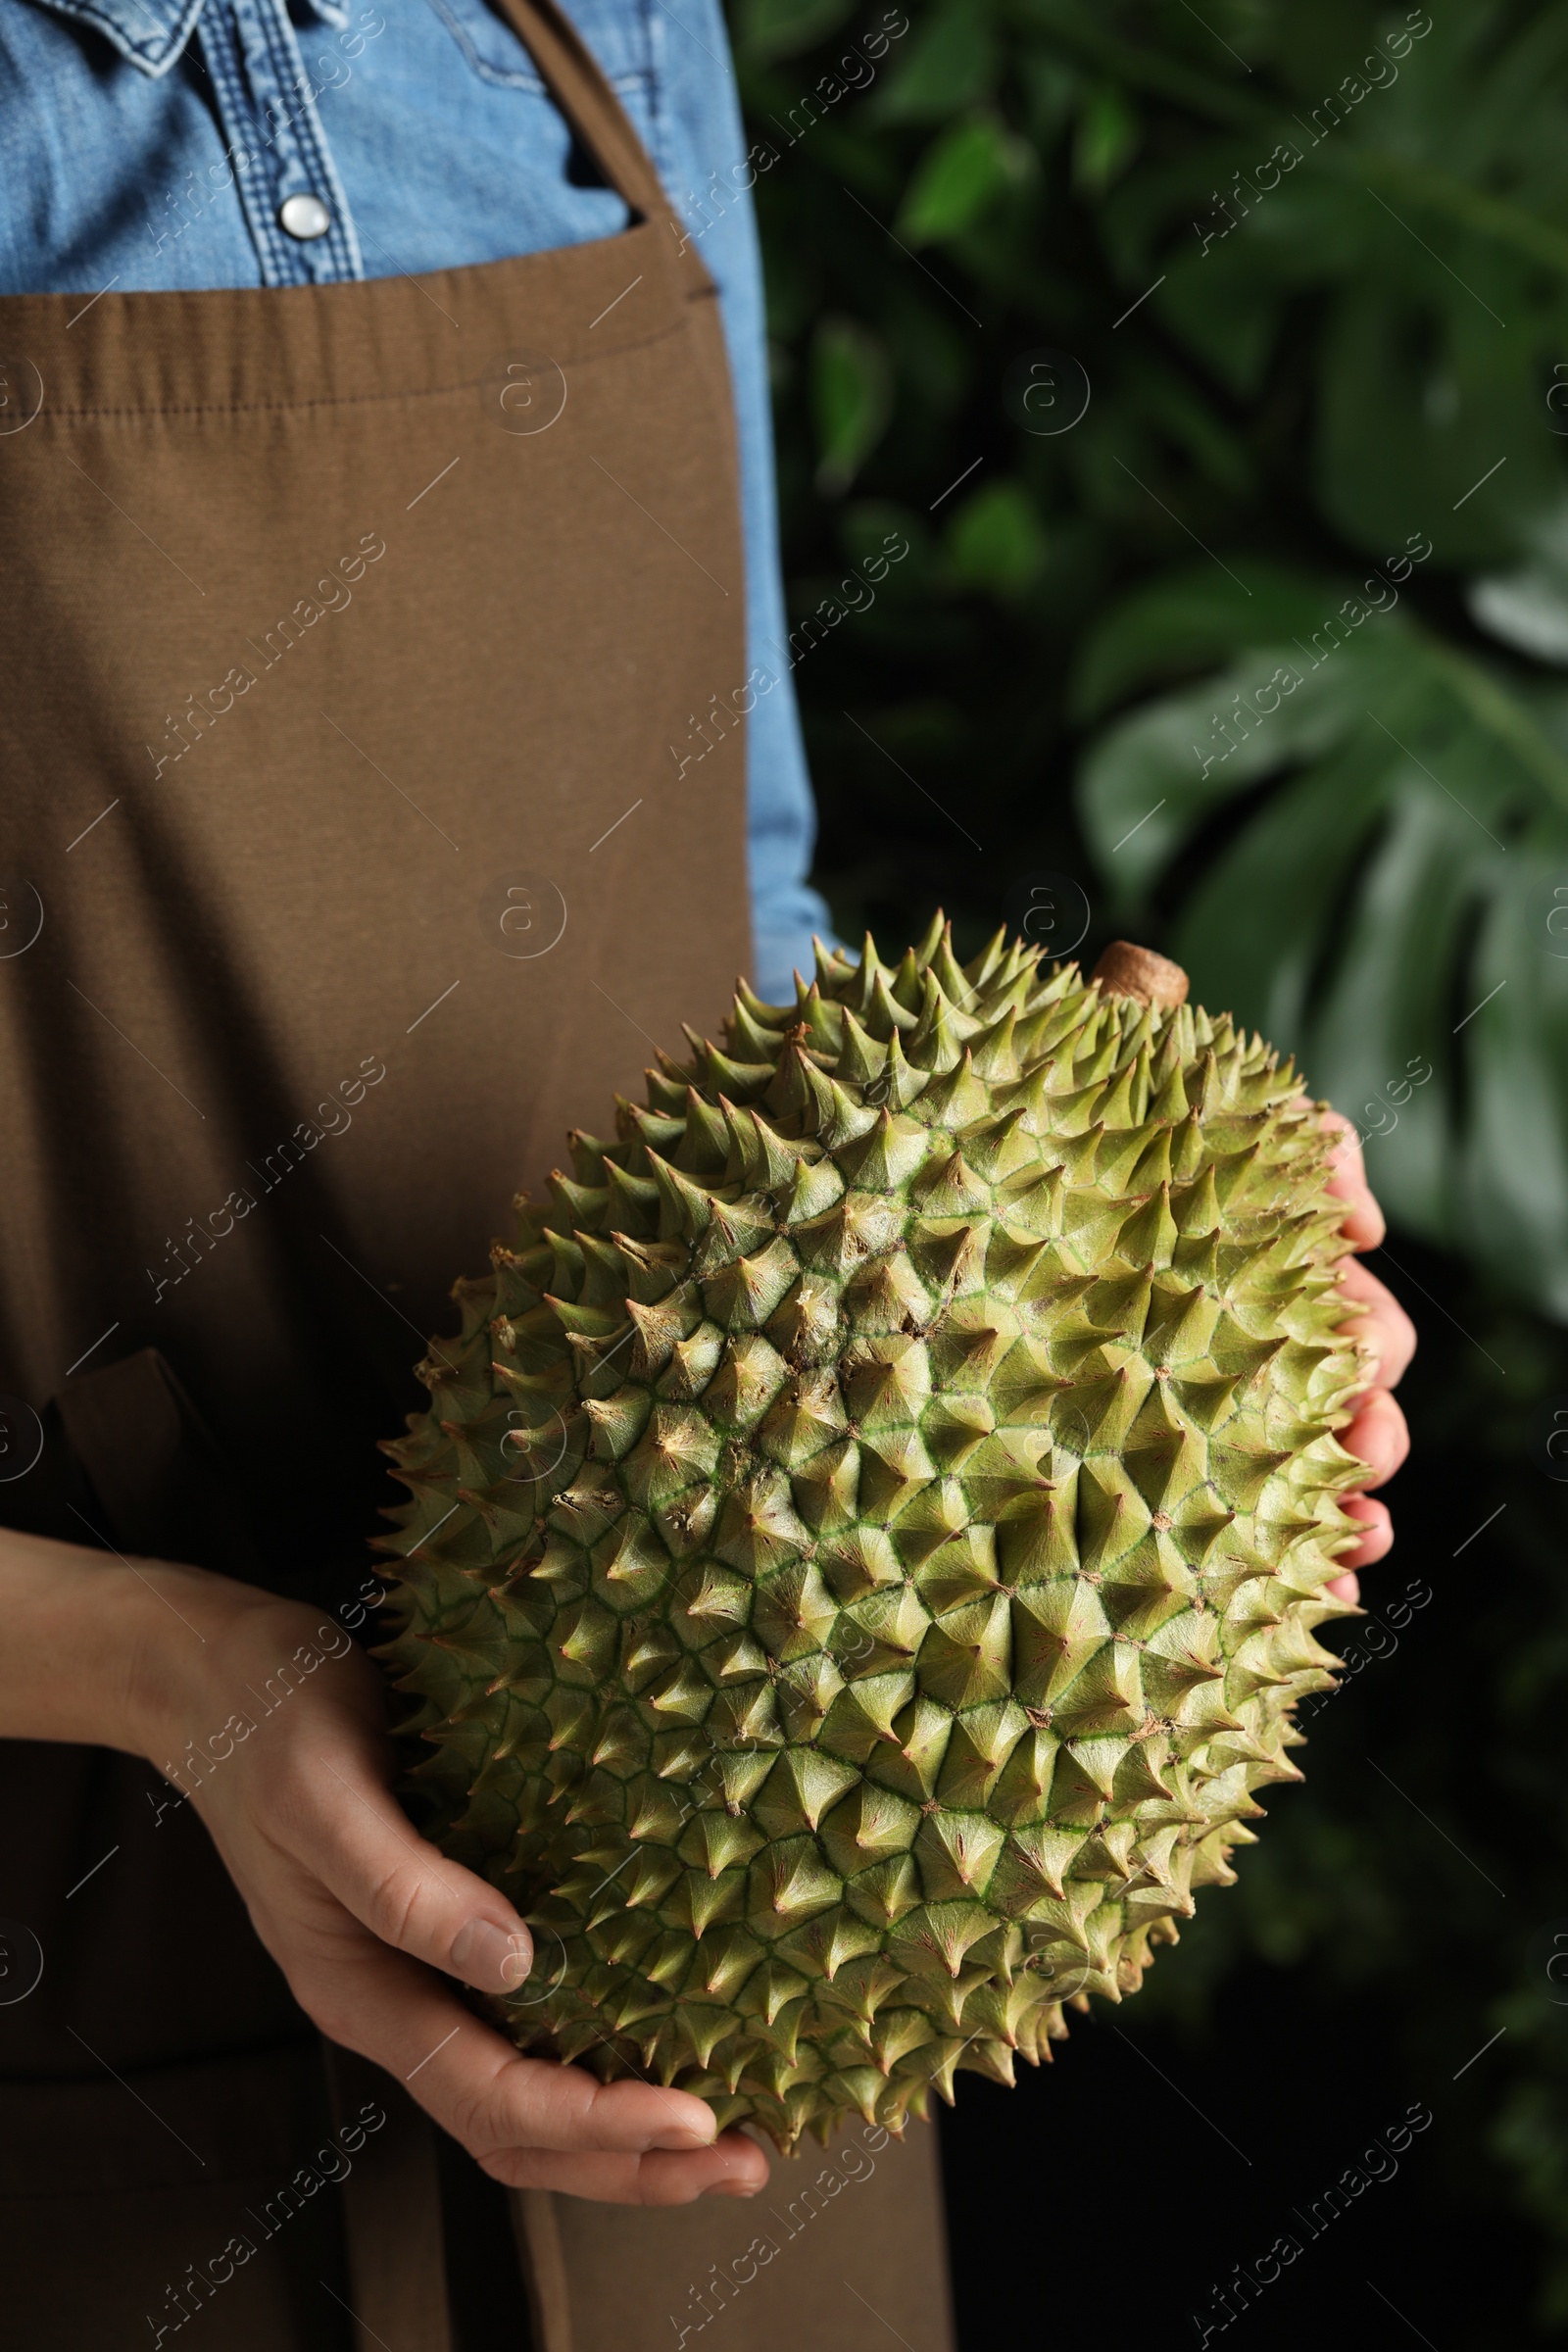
174, 143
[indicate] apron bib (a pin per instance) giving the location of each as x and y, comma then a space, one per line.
345, 864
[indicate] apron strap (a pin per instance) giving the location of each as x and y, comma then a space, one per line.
393, 2223
537, 2231
575, 80
391, 2215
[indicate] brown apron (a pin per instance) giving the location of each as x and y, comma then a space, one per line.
344, 864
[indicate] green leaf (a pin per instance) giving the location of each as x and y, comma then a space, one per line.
1192, 619
1396, 351
1527, 607
866, 527
1229, 315
1253, 926
1387, 1001
765, 28
851, 398
1381, 910
1153, 778
1106, 138
1140, 65
1051, 90
996, 540
1514, 1163
951, 61
1429, 223
959, 180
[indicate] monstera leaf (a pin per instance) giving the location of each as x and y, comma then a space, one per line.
1412, 187
1382, 822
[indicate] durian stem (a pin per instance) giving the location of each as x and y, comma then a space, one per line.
1125, 970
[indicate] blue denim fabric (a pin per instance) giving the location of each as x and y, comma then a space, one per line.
150, 143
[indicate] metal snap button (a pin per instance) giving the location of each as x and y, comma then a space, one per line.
304, 217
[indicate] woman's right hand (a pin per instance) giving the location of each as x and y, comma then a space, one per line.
367, 1920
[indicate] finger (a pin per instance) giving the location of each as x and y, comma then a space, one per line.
1385, 1330
492, 2098
345, 1826
1378, 1436
1376, 1541
376, 2000
733, 2167
539, 2103
1363, 1219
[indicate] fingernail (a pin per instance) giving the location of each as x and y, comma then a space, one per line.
733, 2189
489, 1958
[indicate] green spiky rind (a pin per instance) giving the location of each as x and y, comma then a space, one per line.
866, 1539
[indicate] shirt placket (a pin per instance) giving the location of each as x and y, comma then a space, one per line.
266, 96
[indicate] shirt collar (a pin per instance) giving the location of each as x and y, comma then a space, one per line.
151, 34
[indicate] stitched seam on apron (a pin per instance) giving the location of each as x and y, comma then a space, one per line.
355, 400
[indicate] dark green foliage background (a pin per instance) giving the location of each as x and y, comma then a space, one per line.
1377, 352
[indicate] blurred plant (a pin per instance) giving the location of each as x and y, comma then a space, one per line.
851, 397
1315, 265
1394, 889
1400, 891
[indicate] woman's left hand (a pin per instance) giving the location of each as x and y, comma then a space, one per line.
1378, 1434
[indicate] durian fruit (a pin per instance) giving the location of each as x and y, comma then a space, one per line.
866, 1541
